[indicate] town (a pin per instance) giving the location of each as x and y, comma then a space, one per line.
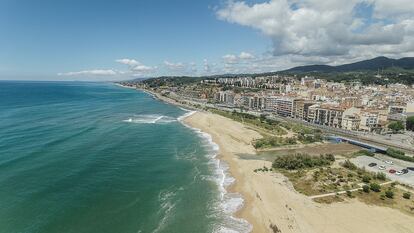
381, 112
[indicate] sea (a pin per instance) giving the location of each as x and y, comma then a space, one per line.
85, 157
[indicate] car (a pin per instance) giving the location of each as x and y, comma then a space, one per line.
382, 167
404, 171
399, 173
388, 162
392, 171
410, 168
372, 165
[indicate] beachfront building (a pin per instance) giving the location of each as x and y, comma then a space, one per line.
226, 97
285, 106
270, 103
326, 115
301, 108
369, 121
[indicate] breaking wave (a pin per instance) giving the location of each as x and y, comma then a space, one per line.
150, 119
229, 203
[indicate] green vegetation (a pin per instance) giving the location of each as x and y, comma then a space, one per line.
406, 195
349, 165
300, 161
389, 194
396, 126
410, 123
327, 179
267, 142
365, 188
310, 138
399, 155
261, 122
366, 178
364, 152
375, 187
381, 176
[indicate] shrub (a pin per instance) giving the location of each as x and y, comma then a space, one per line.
299, 161
375, 187
365, 152
366, 179
399, 155
407, 195
348, 193
381, 176
389, 193
348, 164
365, 188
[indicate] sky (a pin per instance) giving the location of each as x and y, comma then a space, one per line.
124, 39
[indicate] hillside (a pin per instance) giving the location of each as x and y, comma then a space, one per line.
366, 65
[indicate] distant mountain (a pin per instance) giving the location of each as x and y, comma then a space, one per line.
366, 65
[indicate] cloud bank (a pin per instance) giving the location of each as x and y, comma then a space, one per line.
328, 31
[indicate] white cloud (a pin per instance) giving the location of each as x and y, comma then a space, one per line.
174, 66
130, 62
230, 58
207, 67
90, 72
246, 56
328, 28
136, 68
234, 59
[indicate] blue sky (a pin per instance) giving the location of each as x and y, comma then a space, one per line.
105, 40
43, 38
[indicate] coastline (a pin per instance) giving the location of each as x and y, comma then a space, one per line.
270, 199
270, 203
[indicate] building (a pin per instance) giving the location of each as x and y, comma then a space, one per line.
285, 106
369, 121
226, 97
326, 115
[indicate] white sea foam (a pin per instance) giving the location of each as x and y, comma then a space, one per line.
229, 202
167, 205
189, 113
150, 119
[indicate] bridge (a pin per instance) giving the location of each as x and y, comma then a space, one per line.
371, 147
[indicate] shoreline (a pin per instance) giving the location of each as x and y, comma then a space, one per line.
270, 202
239, 213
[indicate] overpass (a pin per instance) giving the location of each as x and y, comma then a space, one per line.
371, 147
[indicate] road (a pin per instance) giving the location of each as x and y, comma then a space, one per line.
402, 144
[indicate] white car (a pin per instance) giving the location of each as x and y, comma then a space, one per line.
399, 173
388, 162
382, 167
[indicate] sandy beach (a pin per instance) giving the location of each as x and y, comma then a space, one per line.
271, 200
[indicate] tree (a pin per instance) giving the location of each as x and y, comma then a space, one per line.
396, 126
410, 123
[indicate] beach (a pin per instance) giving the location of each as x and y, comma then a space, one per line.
270, 200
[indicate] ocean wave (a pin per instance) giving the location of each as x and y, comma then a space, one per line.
167, 205
229, 202
187, 114
150, 119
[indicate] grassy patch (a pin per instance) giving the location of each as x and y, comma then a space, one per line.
397, 201
272, 126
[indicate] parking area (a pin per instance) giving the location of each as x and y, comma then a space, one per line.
397, 165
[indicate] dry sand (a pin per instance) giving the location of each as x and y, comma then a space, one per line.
270, 198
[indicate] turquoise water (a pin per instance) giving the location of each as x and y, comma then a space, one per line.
95, 157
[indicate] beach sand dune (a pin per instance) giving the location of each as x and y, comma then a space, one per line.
270, 198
